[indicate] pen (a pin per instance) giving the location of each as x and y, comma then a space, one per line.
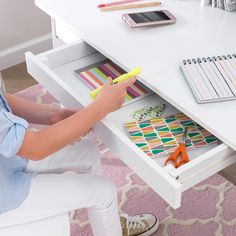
130, 6
119, 79
116, 3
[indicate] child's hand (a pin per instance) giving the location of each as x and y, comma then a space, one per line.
111, 97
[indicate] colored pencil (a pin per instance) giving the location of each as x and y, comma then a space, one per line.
116, 3
130, 6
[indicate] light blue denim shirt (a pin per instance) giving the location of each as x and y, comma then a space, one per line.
14, 179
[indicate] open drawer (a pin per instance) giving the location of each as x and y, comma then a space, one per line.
54, 70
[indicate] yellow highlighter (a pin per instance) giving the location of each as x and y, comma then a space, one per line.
119, 79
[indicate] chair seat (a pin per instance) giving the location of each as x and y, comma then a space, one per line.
57, 225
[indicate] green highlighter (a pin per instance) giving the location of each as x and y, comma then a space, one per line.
119, 79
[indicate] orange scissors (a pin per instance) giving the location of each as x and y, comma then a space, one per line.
181, 150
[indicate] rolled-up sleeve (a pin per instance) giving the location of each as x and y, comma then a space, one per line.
12, 132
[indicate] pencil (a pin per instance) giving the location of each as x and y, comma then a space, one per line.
116, 3
130, 6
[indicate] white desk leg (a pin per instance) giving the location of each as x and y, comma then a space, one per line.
56, 42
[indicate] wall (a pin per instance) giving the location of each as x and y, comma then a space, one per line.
23, 27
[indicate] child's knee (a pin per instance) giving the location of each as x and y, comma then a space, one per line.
108, 191
110, 186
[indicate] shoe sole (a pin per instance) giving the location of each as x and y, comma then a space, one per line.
151, 230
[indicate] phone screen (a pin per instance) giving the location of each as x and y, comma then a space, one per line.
149, 16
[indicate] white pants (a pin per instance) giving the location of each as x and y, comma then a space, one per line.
69, 180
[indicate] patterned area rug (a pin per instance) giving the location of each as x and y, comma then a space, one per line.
207, 209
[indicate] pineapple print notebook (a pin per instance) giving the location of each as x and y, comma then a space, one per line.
96, 75
160, 136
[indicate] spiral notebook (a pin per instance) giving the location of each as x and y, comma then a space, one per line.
211, 79
95, 76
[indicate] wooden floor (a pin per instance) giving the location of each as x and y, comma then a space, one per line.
16, 78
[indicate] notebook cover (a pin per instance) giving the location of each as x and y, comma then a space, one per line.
160, 136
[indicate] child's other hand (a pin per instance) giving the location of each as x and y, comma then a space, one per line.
111, 97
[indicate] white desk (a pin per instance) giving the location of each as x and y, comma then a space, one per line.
198, 32
158, 51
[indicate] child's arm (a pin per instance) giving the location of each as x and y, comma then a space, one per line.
38, 145
37, 113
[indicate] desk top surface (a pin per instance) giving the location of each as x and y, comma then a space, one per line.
198, 32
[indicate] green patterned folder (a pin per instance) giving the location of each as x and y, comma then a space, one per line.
160, 136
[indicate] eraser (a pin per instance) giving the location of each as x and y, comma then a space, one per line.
101, 5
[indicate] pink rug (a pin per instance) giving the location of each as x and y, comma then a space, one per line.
207, 209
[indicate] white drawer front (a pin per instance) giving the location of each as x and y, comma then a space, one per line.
54, 70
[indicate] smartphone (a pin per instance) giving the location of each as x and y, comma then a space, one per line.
150, 18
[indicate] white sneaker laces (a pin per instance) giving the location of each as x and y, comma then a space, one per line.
133, 222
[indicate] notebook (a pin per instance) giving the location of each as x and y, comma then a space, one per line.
160, 136
211, 79
96, 75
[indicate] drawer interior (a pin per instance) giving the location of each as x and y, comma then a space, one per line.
119, 118
72, 59
59, 65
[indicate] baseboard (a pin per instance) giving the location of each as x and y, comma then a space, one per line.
16, 54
